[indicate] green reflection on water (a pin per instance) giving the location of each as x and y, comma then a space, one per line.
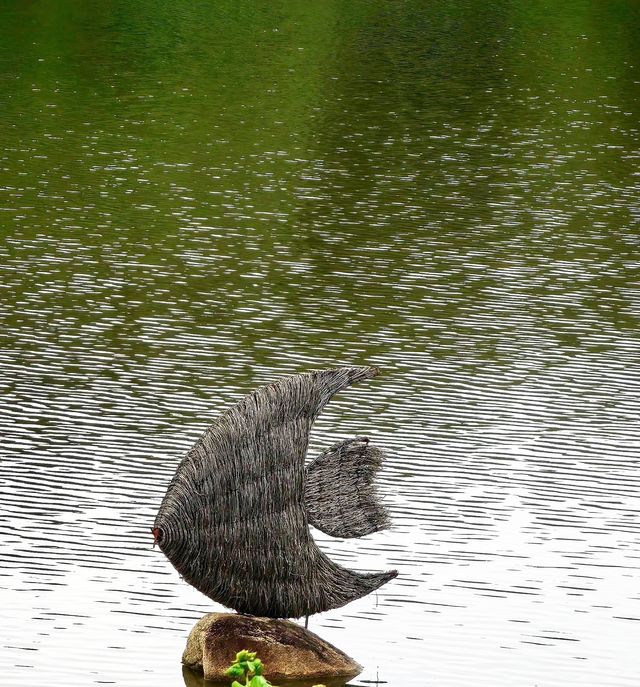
362, 172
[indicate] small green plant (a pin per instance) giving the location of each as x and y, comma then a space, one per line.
248, 667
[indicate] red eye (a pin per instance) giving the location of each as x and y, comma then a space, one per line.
157, 535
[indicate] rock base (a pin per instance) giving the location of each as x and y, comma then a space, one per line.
288, 651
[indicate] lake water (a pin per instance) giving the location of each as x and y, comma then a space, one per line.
196, 198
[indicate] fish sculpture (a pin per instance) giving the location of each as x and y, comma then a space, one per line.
235, 519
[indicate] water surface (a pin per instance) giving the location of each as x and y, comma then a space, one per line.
198, 198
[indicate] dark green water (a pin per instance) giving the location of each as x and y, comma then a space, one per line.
198, 197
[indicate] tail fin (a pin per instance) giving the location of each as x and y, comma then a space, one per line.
340, 495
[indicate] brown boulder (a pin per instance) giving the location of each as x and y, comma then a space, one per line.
288, 651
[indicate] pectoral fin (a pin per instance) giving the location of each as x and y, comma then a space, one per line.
340, 495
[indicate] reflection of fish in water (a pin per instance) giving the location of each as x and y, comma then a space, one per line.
234, 521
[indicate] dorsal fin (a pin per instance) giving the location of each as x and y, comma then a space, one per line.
340, 496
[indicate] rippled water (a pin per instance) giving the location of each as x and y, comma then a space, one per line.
198, 198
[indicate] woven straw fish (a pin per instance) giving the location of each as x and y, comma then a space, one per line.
235, 518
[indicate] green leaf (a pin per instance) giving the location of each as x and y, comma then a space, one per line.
236, 670
235, 683
259, 681
245, 655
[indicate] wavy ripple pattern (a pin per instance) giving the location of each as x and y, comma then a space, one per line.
193, 203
